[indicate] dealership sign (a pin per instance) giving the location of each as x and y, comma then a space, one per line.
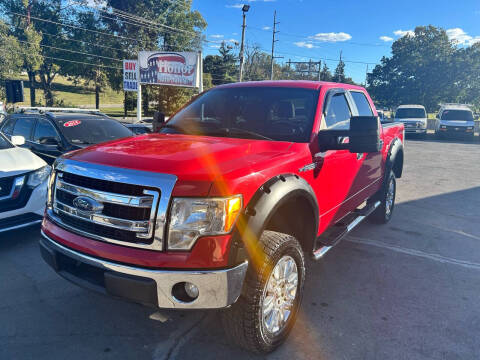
169, 68
130, 75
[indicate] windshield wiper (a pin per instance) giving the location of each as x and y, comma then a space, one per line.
174, 127
238, 131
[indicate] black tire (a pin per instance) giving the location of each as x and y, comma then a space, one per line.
243, 321
384, 212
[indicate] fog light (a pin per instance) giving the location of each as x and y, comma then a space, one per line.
191, 290
185, 292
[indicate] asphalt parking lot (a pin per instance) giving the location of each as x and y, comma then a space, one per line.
406, 290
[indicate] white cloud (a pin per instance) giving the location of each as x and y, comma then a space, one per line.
402, 33
214, 46
461, 37
216, 36
305, 44
386, 38
266, 28
331, 37
234, 34
235, 6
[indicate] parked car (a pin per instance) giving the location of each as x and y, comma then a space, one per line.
454, 120
139, 128
414, 117
54, 132
220, 209
23, 185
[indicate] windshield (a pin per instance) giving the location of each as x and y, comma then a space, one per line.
465, 115
93, 131
273, 113
411, 113
4, 143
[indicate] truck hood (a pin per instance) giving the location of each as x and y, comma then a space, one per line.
413, 120
188, 157
18, 160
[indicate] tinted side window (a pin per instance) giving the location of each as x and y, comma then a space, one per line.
338, 112
23, 127
8, 126
361, 101
44, 129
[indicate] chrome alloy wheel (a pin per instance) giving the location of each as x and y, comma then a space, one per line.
390, 197
279, 295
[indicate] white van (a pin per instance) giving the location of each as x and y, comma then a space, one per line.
455, 120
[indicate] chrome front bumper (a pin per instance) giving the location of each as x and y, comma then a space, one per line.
217, 288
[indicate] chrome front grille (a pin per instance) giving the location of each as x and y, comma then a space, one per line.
130, 206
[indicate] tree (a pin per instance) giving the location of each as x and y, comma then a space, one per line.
325, 74
421, 70
222, 68
10, 49
339, 75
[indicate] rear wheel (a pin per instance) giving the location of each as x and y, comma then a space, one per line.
386, 196
265, 312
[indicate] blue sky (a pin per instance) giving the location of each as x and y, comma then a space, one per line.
362, 29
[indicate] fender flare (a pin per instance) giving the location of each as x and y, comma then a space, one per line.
263, 205
395, 153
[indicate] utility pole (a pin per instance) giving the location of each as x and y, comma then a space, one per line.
366, 76
245, 9
275, 23
320, 70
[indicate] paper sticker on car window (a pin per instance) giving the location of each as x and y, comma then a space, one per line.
72, 123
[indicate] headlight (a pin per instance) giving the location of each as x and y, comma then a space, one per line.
39, 176
191, 218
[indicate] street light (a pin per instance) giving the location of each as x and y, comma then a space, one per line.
245, 9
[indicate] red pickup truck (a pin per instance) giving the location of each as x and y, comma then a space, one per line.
220, 209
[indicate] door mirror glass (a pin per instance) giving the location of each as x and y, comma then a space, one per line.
18, 140
48, 140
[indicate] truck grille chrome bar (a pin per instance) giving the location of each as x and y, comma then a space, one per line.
115, 205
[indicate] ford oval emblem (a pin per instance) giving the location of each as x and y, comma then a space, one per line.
87, 205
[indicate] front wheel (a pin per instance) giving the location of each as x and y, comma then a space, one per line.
265, 312
386, 196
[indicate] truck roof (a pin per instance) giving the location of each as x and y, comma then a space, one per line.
306, 84
413, 106
455, 106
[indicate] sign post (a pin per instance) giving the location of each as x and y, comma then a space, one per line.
131, 83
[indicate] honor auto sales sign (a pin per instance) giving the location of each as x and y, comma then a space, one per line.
169, 68
130, 75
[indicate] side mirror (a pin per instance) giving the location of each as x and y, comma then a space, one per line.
18, 140
48, 140
363, 136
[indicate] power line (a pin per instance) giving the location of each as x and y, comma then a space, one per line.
74, 61
73, 51
74, 27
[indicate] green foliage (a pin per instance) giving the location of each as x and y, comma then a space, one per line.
426, 69
221, 68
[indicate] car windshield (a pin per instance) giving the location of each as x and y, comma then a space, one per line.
4, 143
93, 131
411, 113
465, 115
270, 113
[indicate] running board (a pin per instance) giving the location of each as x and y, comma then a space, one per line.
332, 236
